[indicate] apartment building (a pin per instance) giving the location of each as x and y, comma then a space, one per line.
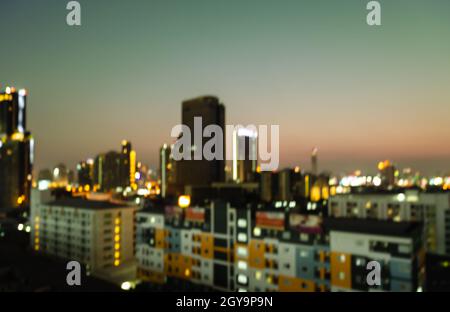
396, 246
275, 247
431, 208
94, 231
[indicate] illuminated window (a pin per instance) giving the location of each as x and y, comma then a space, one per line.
242, 251
242, 237
242, 265
242, 279
242, 223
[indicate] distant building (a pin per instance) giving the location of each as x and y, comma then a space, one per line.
165, 168
127, 165
16, 151
94, 231
387, 173
60, 176
245, 155
314, 164
85, 172
201, 172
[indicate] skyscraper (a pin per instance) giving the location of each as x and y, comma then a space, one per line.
202, 172
387, 173
16, 150
164, 168
106, 171
244, 155
125, 164
85, 171
314, 168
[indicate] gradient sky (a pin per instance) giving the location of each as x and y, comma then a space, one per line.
359, 93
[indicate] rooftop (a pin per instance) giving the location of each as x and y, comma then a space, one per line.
371, 226
79, 202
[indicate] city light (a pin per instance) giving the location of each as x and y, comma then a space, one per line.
184, 201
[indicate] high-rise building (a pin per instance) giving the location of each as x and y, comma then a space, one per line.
202, 172
314, 166
127, 164
107, 171
245, 155
164, 168
115, 170
387, 173
85, 171
60, 176
16, 150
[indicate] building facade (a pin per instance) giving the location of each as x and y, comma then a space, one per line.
16, 151
95, 232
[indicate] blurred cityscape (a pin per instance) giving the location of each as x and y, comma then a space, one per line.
199, 225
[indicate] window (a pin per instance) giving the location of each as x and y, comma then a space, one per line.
242, 223
242, 237
242, 279
242, 265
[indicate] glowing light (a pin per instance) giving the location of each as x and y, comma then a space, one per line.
315, 193
20, 227
18, 136
184, 201
242, 265
132, 167
126, 286
401, 197
376, 181
21, 199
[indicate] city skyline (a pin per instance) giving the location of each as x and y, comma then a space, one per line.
368, 95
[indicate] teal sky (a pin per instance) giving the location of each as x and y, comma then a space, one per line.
313, 67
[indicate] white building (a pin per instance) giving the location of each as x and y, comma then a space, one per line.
95, 232
433, 209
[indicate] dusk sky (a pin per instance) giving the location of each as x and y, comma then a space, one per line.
358, 93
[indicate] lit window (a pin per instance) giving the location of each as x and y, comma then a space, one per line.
242, 223
242, 237
242, 265
242, 279
242, 251
257, 231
